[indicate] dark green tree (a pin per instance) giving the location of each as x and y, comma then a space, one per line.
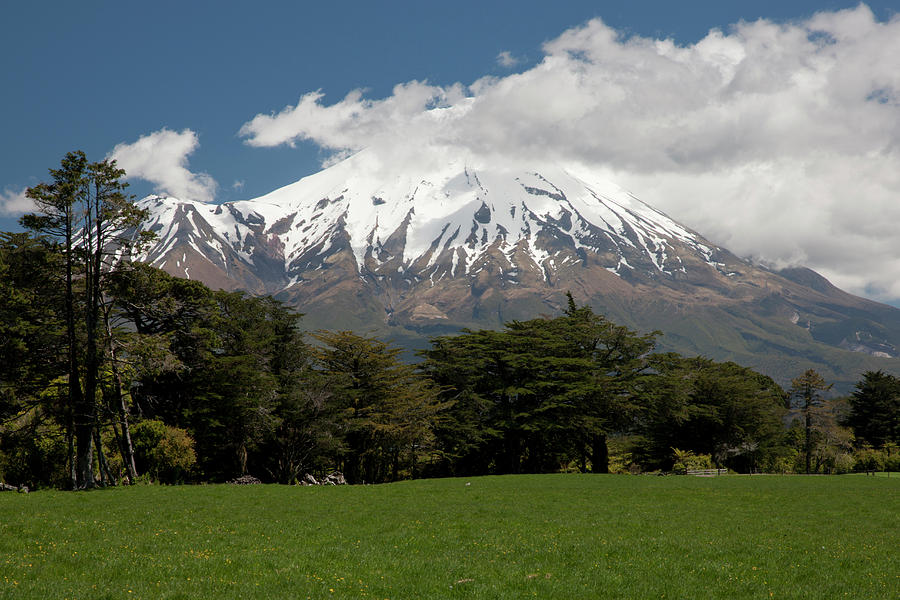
33, 350
231, 369
386, 409
874, 412
806, 394
539, 394
232, 408
85, 213
724, 410
32, 333
58, 219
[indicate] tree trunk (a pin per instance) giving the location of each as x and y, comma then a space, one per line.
92, 313
70, 449
84, 459
599, 454
106, 476
82, 424
808, 441
242, 458
125, 445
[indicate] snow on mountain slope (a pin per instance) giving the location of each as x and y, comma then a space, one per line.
412, 253
446, 219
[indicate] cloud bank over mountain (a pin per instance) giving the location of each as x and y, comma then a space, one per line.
161, 158
780, 141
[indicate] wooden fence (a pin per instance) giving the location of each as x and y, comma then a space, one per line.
707, 472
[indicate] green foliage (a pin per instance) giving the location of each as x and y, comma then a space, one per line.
806, 395
227, 367
166, 452
892, 463
867, 458
830, 443
874, 414
32, 452
783, 462
308, 437
31, 329
223, 384
82, 217
386, 411
685, 460
621, 453
537, 395
250, 365
32, 343
729, 412
842, 464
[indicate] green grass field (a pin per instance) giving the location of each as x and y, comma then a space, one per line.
549, 536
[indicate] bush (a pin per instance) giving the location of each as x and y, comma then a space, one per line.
780, 461
868, 459
621, 455
843, 463
165, 452
685, 461
33, 454
892, 462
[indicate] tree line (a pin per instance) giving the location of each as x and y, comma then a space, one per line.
112, 371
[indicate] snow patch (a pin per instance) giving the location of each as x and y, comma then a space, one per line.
461, 208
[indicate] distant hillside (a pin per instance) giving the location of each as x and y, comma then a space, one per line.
411, 255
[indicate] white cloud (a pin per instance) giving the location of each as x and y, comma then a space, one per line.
507, 60
238, 185
161, 158
780, 141
13, 203
354, 121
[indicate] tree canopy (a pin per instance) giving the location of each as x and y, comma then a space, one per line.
874, 414
113, 370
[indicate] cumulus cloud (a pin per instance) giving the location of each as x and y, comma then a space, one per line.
778, 140
161, 158
506, 60
354, 121
14, 203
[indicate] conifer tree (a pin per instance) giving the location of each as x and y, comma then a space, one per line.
720, 409
386, 409
806, 394
875, 409
538, 394
86, 213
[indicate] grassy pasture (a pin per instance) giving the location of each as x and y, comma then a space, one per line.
546, 536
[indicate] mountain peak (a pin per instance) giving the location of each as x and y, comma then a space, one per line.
457, 242
451, 213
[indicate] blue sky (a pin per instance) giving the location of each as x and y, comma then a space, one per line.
98, 76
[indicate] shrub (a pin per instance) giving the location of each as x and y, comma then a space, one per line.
165, 452
843, 463
781, 460
892, 462
868, 459
686, 460
621, 455
33, 453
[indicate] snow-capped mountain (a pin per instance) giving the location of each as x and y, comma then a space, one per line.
426, 226
458, 243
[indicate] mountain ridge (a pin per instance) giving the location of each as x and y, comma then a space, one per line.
424, 252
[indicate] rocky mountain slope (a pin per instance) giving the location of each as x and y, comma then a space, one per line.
414, 254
